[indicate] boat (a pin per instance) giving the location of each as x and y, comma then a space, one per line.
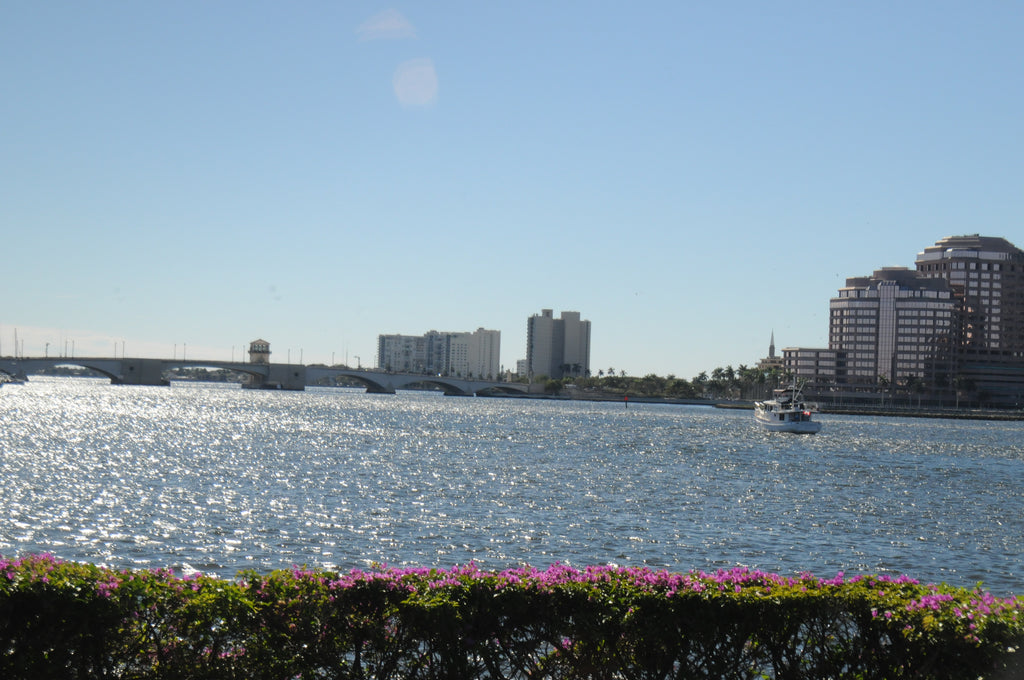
786, 411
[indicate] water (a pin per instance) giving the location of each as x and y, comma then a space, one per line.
219, 479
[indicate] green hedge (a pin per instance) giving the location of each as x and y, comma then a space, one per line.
69, 620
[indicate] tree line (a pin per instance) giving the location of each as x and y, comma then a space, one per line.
742, 382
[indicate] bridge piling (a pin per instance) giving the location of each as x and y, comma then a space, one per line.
140, 372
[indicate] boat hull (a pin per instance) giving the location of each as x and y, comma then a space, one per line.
771, 418
794, 427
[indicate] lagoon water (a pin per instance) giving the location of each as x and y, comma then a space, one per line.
218, 479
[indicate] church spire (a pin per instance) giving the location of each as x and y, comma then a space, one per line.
771, 346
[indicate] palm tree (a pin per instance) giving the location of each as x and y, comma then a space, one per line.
883, 385
962, 384
701, 383
914, 386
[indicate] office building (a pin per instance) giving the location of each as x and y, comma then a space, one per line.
894, 325
987, 276
816, 366
557, 347
953, 325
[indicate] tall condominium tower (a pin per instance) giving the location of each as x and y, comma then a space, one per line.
557, 347
475, 354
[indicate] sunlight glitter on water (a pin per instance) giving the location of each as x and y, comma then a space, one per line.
224, 479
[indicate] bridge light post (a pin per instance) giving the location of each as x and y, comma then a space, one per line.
358, 364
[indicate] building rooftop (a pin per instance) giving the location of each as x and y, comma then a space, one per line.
961, 246
907, 278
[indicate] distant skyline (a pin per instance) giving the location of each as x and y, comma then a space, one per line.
689, 177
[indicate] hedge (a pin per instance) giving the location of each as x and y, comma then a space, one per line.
69, 620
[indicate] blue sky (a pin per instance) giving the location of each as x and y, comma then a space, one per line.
688, 176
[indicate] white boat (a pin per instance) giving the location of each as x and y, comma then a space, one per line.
786, 411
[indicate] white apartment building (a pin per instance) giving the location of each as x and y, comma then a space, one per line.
460, 354
557, 347
412, 353
475, 355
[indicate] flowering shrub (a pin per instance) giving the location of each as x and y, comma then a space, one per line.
70, 620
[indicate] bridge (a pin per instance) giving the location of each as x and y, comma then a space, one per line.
129, 371
384, 382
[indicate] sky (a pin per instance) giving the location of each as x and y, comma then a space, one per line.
689, 176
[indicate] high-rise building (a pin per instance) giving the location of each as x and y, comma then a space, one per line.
475, 355
460, 354
954, 325
411, 353
894, 324
987, 276
557, 347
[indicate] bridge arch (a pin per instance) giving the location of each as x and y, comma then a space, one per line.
246, 369
505, 388
448, 388
372, 386
21, 368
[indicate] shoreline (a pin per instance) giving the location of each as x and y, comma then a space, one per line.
745, 405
